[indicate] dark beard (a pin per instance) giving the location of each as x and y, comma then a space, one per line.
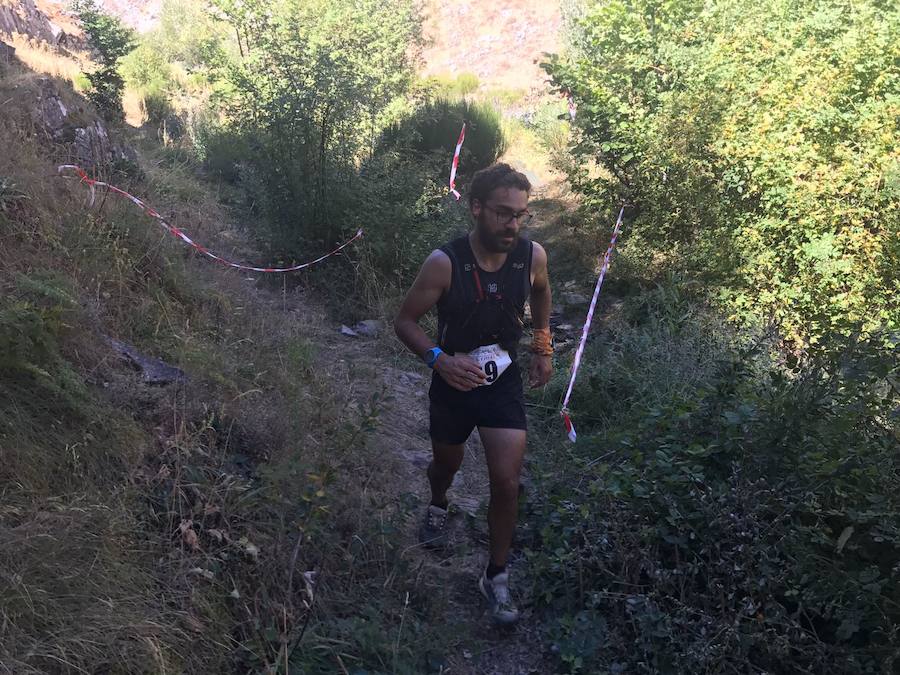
496, 244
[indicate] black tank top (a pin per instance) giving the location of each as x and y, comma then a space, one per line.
484, 308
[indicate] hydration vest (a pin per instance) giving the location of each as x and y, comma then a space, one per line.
484, 308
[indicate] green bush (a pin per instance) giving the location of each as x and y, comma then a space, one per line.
664, 327
32, 319
111, 40
723, 510
756, 142
156, 106
466, 83
221, 151
145, 68
435, 127
311, 94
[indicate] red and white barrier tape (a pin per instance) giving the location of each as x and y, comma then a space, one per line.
570, 428
455, 164
186, 239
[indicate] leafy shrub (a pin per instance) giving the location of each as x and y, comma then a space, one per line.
220, 150
662, 346
762, 168
10, 194
435, 127
145, 68
728, 512
156, 106
146, 71
111, 40
32, 319
466, 83
311, 94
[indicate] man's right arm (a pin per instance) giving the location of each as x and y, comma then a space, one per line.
433, 279
431, 282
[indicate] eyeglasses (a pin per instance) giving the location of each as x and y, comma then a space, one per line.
506, 216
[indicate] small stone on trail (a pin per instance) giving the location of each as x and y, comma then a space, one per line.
346, 330
369, 327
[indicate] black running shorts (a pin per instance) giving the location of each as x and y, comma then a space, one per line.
453, 413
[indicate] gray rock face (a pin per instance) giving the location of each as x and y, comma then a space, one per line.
22, 16
91, 145
572, 298
52, 111
153, 371
7, 53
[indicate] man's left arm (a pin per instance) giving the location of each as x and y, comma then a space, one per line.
541, 362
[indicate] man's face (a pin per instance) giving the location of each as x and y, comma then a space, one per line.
497, 219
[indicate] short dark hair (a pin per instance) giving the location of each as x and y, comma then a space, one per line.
498, 175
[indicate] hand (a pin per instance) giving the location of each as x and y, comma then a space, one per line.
460, 372
540, 370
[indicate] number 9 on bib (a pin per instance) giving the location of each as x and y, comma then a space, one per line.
493, 360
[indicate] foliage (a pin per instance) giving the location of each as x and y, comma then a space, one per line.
457, 87
111, 40
722, 512
309, 95
32, 318
189, 35
10, 194
435, 126
141, 524
146, 72
756, 143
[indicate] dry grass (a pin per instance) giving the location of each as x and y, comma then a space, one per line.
168, 530
41, 58
502, 42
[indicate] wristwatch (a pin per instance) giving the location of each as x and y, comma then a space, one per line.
431, 356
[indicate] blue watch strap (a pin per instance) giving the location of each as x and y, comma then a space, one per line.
431, 356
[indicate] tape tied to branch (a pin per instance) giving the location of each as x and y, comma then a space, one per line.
455, 164
177, 232
567, 420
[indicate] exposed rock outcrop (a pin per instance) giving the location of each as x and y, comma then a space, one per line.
7, 53
89, 141
23, 16
41, 21
93, 147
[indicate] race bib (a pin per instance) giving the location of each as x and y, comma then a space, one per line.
493, 360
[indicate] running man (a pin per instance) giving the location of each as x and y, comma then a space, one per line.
480, 283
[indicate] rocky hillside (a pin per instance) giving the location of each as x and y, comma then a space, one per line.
501, 42
41, 21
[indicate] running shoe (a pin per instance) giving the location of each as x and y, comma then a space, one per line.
433, 532
496, 590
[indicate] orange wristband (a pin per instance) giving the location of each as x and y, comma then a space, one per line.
542, 342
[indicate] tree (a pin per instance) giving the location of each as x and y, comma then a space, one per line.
111, 40
310, 94
757, 142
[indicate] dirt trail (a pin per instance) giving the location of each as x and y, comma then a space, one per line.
402, 439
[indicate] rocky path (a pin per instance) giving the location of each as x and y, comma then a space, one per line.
402, 439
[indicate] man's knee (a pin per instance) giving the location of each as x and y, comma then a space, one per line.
505, 488
447, 458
